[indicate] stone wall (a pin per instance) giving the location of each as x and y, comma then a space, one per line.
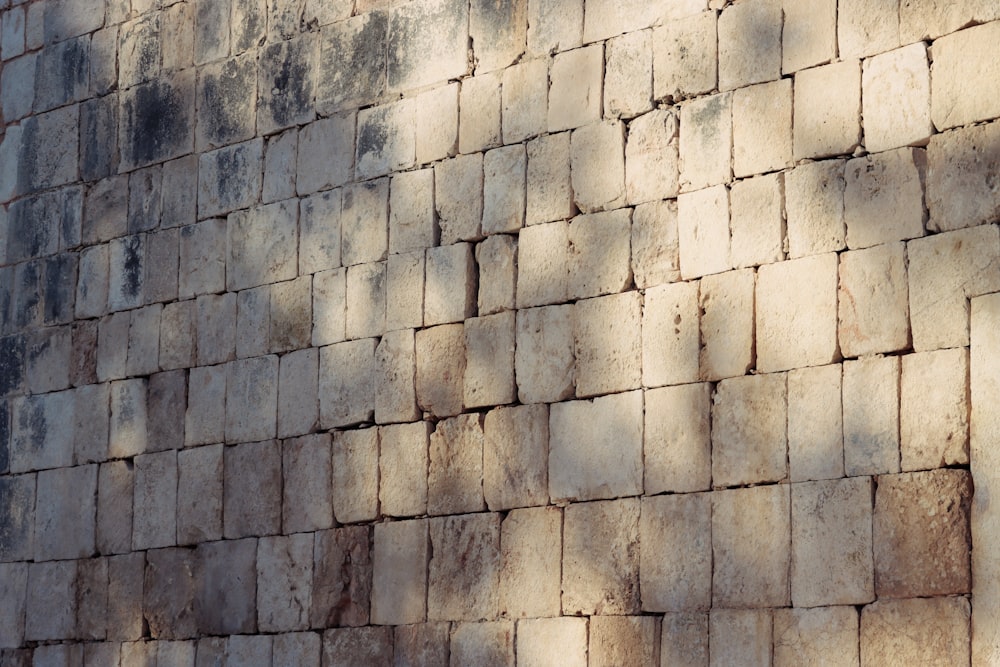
496, 332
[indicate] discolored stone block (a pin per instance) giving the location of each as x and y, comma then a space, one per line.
483, 643
498, 31
421, 644
599, 254
199, 494
343, 647
125, 582
252, 483
114, 507
17, 517
346, 385
617, 640
436, 36
342, 577
262, 246
50, 612
326, 153
675, 566
227, 95
41, 434
156, 121
466, 588
816, 636
169, 592
386, 139
677, 439
706, 139
960, 166
871, 416
455, 475
154, 522
225, 589
750, 43
883, 201
284, 582
399, 580
440, 358
827, 109
600, 560
489, 370
815, 423
926, 631
597, 157
352, 62
670, 335
286, 83
872, 301
355, 475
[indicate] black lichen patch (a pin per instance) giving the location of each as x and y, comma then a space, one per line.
353, 63
226, 100
28, 298
156, 123
11, 364
132, 267
60, 279
373, 135
99, 138
4, 437
62, 73
33, 228
286, 85
249, 30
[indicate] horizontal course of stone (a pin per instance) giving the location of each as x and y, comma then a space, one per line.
496, 332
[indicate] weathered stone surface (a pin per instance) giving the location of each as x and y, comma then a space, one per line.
864, 29
872, 301
524, 100
740, 636
489, 370
14, 586
496, 258
440, 354
326, 153
468, 587
896, 97
599, 254
329, 307
883, 200
125, 584
355, 475
450, 284
515, 457
395, 391
50, 612
749, 417
703, 231
815, 423
298, 392
628, 88
342, 577
483, 644
543, 359
436, 37
346, 385
160, 281
654, 244
498, 30
934, 410
297, 648
91, 414
344, 647
677, 441
608, 345
156, 121
199, 494
871, 416
543, 264
762, 120
550, 641
757, 221
530, 555
114, 507
575, 88
809, 34
827, 108
154, 521
62, 73
286, 83
549, 188
280, 157
290, 314
670, 335
421, 644
143, 341
675, 566
41, 434
706, 139
455, 475
92, 598
403, 461
225, 592
651, 161
504, 189
827, 635
411, 211
619, 640
227, 95
458, 196
251, 399
964, 51
17, 517
606, 18
126, 258
205, 419
168, 593
960, 164
750, 43
364, 222
252, 483
47, 354
386, 139
17, 93
479, 112
306, 501
284, 582
92, 285
597, 155
352, 62
684, 639
600, 559
399, 583
925, 631
320, 227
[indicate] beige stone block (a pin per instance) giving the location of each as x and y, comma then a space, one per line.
306, 466
677, 439
554, 25
251, 399
685, 57
575, 88
483, 644
921, 534
496, 258
762, 128
542, 642
530, 563
865, 28
365, 300
675, 566
344, 647
489, 369
757, 221
411, 211
543, 264
252, 490
628, 86
422, 644
655, 253
624, 640
814, 637
595, 448
963, 73
945, 271
458, 196
884, 197
600, 558
290, 315
525, 96
284, 582
437, 123
814, 208
815, 424
342, 579
706, 142
597, 155
670, 335
216, 328
465, 588
607, 18
479, 112
934, 409
329, 307
827, 110
740, 637
703, 231
404, 290
751, 545
403, 461
651, 159
871, 416
543, 358
399, 579
320, 231
516, 457
684, 639
809, 35
931, 631
961, 167
727, 324
922, 20
455, 474
364, 222
440, 369
395, 386
896, 96
608, 344
504, 188
549, 188
749, 417
749, 43
797, 313
498, 33
599, 253
874, 314
355, 475
346, 383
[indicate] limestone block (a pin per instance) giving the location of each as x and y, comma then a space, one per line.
675, 566
199, 494
450, 284
436, 39
515, 457
670, 335
871, 416
92, 285
144, 197
815, 424
14, 585
628, 88
17, 92
757, 220
685, 62
498, 31
440, 353
684, 639
395, 387
83, 358
549, 188
126, 257
212, 650
543, 264
125, 589
216, 327
599, 253
595, 448
343, 647
963, 54
205, 419
865, 29
821, 636
355, 475
465, 588
286, 85
651, 169
143, 347
114, 507
180, 190
676, 439
298, 389
543, 359
489, 370
934, 409
284, 582
597, 157
91, 413
155, 520
262, 246
946, 270
101, 653
364, 221
411, 211
320, 231
251, 399
47, 355
749, 416
404, 291
827, 109
504, 189
607, 344
326, 153
703, 231
872, 300
809, 34
552, 641
600, 559
455, 474
227, 95
346, 383
925, 631
831, 534
883, 200
797, 313
177, 344
386, 139
306, 494
17, 516
490, 643
225, 595
619, 640
248, 650
959, 186
329, 307
421, 644
606, 18
655, 253
814, 208
50, 611
576, 87
554, 26
751, 544
252, 483
437, 123
458, 196
92, 598
479, 111
49, 146
531, 549
727, 324
496, 258
42, 431
399, 580
168, 594
750, 43
762, 122
921, 534
403, 462
896, 94
524, 101
352, 60
202, 268
230, 178
342, 580
280, 157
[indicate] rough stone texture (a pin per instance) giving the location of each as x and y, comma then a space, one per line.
365, 300
575, 89
342, 579
628, 86
524, 101
544, 362
504, 189
411, 211
823, 636
395, 392
14, 585
883, 200
262, 246
50, 611
483, 644
41, 435
651, 160
551, 641
675, 566
125, 587
865, 29
740, 636
827, 110
252, 500
251, 399
677, 441
440, 353
963, 51
619, 640
17, 517
543, 264
458, 197
205, 419
608, 345
703, 231
399, 583
320, 231
727, 324
455, 474
465, 588
597, 158
549, 189
284, 577
403, 461
355, 475
706, 142
815, 424
225, 593
306, 492
762, 137
479, 106
357, 646
599, 254
670, 335
809, 34
871, 416
684, 60
346, 387
934, 410
749, 43
896, 98
199, 494
357, 46
168, 593
386, 139
421, 644
931, 631
489, 370
154, 522
757, 221
404, 290
530, 563
749, 417
496, 258
872, 301
515, 457
450, 284
298, 400
600, 558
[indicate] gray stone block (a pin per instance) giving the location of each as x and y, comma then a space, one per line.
251, 399
326, 153
144, 341
252, 500
346, 384
230, 178
125, 579
17, 517
432, 39
126, 274
421, 644
284, 582
145, 191
355, 475
286, 84
114, 507
216, 327
227, 97
65, 522
386, 139
352, 64
168, 594
399, 588
13, 588
154, 522
205, 420
180, 191
139, 44
105, 211
298, 392
280, 156
92, 599
42, 432
199, 494
345, 647
83, 362
62, 74
320, 222
60, 279
156, 121
128, 418
306, 494
262, 245
68, 18
46, 359
290, 326
225, 592
50, 612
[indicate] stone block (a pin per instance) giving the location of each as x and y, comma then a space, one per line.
403, 465
554, 26
92, 285
346, 385
544, 363
154, 521
872, 300
961, 163
39, 166
827, 635
684, 639
83, 359
216, 327
654, 243
740, 636
675, 566
796, 313
490, 643
50, 611
499, 33
814, 208
227, 97
180, 189
230, 178
619, 640
352, 61
651, 160
253, 320
864, 29
606, 18
479, 106
489, 369
139, 42
92, 598
252, 483
199, 494
105, 210
177, 342
17, 516
455, 474
628, 88
17, 92
386, 139
114, 507
12, 24
395, 387
450, 284
685, 63
306, 493
750, 43
597, 157
365, 293
225, 594
284, 582
608, 344
831, 534
575, 89
762, 122
815, 424
205, 419
515, 457
921, 534
504, 186
530, 551
458, 196
496, 258
343, 647
749, 417
286, 85
871, 416
262, 246
703, 231
364, 222
297, 648
595, 448
329, 307
436, 35
298, 392
399, 580
677, 439
600, 558
670, 335
757, 221
809, 34
355, 475
126, 257
91, 414
963, 54
290, 314
342, 577
883, 200
411, 211
101, 653
320, 231
143, 342
168, 594
552, 641
280, 158
524, 104
125, 584
465, 588
146, 135
160, 281
14, 586
326, 153
917, 631
827, 109
421, 644
944, 271
41, 433
440, 354
599, 253
549, 188
896, 96
543, 264
751, 545
47, 354
437, 123
934, 409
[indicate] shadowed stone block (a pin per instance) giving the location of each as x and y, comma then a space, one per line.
342, 577
225, 593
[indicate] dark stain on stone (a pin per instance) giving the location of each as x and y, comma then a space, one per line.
33, 418
11, 364
290, 92
28, 294
226, 102
29, 234
6, 300
132, 267
70, 217
4, 437
62, 73
98, 138
60, 278
157, 121
372, 137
